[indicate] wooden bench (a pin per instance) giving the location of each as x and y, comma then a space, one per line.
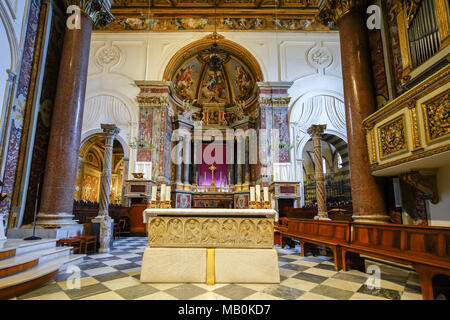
330, 234
426, 249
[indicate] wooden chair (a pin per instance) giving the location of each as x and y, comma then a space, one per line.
75, 242
119, 227
87, 238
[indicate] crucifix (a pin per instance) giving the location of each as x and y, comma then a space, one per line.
212, 168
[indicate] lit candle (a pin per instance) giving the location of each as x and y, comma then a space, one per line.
204, 181
154, 189
163, 193
252, 194
220, 179
258, 193
266, 193
168, 193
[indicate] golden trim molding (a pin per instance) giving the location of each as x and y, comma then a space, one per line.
413, 157
334, 10
443, 18
403, 39
419, 91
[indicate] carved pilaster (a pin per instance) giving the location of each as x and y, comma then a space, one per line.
417, 144
370, 133
99, 11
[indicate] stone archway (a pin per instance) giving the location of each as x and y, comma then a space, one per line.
336, 169
88, 180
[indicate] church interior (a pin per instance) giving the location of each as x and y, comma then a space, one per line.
224, 150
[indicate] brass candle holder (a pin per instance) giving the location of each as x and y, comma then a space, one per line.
152, 205
258, 204
267, 205
165, 204
252, 205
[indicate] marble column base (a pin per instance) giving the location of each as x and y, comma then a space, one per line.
44, 233
61, 219
371, 219
189, 265
106, 226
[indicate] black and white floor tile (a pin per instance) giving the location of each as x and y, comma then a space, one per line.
115, 275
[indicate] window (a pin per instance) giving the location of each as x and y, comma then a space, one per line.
324, 165
339, 161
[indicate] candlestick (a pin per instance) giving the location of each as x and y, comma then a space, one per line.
252, 194
258, 193
168, 193
154, 189
266, 194
163, 193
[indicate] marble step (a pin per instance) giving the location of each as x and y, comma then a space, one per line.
15, 247
27, 260
35, 276
73, 259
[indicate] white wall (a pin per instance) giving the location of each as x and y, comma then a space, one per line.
440, 213
311, 60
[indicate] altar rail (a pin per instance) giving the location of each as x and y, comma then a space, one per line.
426, 249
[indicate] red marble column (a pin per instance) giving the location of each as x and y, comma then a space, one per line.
62, 158
368, 198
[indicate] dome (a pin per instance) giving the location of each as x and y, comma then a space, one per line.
195, 79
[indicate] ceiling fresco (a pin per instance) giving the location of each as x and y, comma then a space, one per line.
229, 15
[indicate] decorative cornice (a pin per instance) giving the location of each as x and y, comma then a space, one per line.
334, 10
99, 11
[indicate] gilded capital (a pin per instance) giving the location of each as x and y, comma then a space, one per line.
99, 11
317, 130
334, 10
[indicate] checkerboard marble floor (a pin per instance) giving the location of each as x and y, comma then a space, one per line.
115, 275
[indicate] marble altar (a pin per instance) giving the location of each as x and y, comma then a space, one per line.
210, 246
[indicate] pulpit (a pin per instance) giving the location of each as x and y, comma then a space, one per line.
210, 246
138, 192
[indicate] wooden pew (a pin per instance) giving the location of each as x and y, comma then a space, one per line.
278, 228
426, 249
330, 234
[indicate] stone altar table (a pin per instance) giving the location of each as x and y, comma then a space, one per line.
210, 246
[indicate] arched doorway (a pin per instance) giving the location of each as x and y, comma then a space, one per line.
335, 166
90, 168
